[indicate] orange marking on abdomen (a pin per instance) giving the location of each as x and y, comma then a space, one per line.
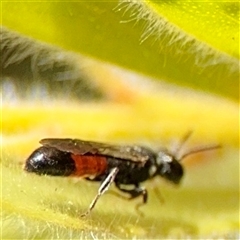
89, 165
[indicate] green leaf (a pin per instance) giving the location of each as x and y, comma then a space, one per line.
46, 207
190, 43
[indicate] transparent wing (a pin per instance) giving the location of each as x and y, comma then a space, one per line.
77, 146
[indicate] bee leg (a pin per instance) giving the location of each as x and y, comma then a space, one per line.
102, 189
134, 193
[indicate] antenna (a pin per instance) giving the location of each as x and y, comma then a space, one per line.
182, 142
199, 149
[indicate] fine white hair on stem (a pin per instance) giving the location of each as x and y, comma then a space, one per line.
171, 38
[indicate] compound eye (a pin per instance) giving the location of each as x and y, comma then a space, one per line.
175, 173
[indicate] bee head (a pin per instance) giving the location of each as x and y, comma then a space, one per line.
169, 167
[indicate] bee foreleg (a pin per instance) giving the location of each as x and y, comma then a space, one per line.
136, 192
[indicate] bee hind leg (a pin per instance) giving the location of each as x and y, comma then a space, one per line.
102, 189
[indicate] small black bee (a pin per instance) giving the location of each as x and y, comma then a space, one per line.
106, 163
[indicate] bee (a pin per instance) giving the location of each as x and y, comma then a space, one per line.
107, 163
